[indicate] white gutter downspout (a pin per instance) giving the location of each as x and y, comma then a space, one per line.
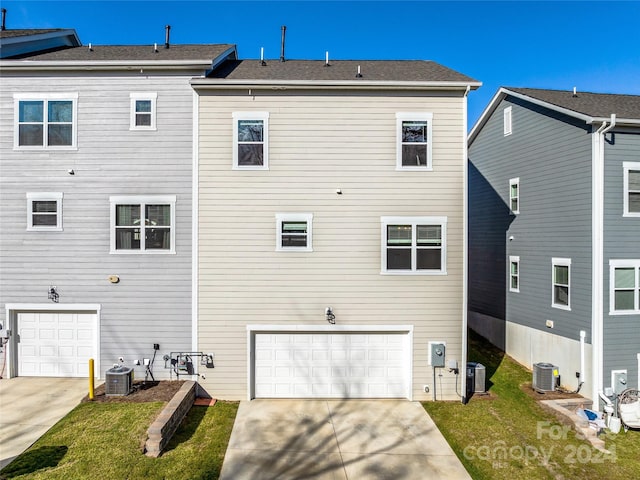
463, 365
597, 244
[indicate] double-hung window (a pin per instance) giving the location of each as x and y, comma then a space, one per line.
624, 287
514, 195
631, 189
514, 274
44, 211
561, 273
294, 232
45, 121
413, 245
250, 140
143, 111
143, 224
414, 133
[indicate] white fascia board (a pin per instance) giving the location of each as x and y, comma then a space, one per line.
489, 109
31, 65
70, 33
312, 84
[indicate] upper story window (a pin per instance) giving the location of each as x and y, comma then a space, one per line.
624, 287
561, 294
143, 111
143, 224
45, 121
414, 245
414, 132
507, 127
294, 232
631, 189
44, 211
251, 140
514, 274
514, 195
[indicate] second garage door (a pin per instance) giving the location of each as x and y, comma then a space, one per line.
332, 365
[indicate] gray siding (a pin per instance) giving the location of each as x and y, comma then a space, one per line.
621, 241
152, 302
551, 154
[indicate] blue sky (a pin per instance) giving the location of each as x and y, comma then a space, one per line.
594, 46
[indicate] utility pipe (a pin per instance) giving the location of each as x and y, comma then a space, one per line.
91, 380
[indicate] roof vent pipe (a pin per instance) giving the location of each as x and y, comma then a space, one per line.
284, 30
166, 36
575, 92
326, 59
4, 19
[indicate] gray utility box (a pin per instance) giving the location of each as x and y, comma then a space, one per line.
476, 378
118, 381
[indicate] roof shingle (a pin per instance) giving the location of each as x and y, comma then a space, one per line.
598, 105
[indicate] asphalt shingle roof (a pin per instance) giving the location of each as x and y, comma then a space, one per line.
132, 53
26, 32
339, 70
598, 105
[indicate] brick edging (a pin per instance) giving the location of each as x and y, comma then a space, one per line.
166, 424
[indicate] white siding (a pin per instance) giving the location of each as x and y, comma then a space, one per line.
320, 142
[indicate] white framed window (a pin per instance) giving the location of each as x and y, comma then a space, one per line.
294, 232
514, 195
561, 283
624, 287
414, 245
631, 189
250, 140
507, 127
44, 211
414, 140
514, 274
45, 121
143, 111
143, 224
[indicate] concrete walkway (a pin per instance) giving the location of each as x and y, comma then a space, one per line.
29, 406
337, 439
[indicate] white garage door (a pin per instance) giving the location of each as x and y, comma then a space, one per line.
331, 365
53, 344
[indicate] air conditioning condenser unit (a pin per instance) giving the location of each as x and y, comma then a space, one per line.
546, 377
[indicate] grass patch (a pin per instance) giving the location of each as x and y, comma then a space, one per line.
104, 441
509, 435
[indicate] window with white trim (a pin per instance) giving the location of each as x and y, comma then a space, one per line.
414, 245
143, 111
414, 133
45, 121
561, 280
514, 274
294, 232
631, 189
143, 224
514, 195
250, 140
624, 287
507, 127
44, 211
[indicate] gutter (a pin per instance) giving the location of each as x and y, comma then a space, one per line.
225, 84
597, 245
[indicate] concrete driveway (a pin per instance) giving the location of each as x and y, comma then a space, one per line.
29, 406
337, 439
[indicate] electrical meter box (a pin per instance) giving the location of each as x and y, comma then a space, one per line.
437, 351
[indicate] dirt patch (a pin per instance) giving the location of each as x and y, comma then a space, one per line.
159, 391
555, 395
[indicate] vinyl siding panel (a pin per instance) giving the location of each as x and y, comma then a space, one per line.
621, 241
319, 142
551, 155
152, 302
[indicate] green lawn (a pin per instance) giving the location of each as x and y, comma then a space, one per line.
104, 441
511, 436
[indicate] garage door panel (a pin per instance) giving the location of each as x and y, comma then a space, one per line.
331, 365
55, 344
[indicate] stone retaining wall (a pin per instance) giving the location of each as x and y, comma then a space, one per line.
166, 424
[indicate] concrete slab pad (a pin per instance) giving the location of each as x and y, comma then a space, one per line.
29, 406
337, 439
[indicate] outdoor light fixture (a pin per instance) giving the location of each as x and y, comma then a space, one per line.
53, 294
328, 313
